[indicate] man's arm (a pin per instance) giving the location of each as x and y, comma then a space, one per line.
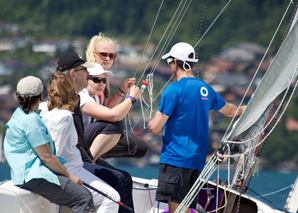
229, 110
156, 124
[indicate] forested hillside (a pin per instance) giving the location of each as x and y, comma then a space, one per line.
131, 20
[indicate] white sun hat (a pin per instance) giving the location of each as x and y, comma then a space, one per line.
181, 51
98, 70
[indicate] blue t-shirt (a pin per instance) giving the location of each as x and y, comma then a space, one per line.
186, 134
25, 132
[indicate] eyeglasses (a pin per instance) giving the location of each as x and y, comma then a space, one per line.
84, 69
104, 55
97, 80
170, 60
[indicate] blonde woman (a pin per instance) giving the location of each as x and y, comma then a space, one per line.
101, 50
57, 116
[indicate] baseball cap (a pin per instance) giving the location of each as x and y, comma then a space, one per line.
98, 70
29, 86
181, 52
70, 61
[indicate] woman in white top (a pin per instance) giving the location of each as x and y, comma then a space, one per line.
57, 116
103, 134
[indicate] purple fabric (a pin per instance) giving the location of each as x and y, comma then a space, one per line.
167, 211
203, 197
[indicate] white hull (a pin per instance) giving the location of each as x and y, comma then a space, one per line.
15, 200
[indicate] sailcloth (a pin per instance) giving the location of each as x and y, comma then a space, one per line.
281, 72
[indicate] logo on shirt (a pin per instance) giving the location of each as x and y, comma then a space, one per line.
204, 93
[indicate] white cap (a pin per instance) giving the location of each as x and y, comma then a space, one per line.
181, 52
98, 70
29, 86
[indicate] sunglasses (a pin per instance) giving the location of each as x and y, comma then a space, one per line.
97, 80
170, 60
104, 55
83, 69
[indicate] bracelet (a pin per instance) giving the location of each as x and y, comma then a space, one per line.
119, 94
121, 90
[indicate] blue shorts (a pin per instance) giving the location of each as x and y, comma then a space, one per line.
175, 182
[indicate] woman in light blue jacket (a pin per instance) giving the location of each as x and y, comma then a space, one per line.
30, 153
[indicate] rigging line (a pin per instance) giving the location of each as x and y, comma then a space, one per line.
273, 117
154, 99
171, 37
149, 36
258, 67
257, 152
184, 205
276, 112
273, 126
171, 34
204, 176
200, 29
264, 128
213, 23
160, 41
164, 47
268, 201
271, 193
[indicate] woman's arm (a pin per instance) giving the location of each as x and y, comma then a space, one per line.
117, 113
126, 85
51, 161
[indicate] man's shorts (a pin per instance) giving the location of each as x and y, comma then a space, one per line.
175, 182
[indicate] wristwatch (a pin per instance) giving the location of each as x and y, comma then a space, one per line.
133, 100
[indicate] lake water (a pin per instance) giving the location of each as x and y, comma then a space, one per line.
266, 182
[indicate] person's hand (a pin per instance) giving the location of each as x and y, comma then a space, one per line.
134, 92
75, 179
127, 84
242, 109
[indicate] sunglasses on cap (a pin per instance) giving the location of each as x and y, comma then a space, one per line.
104, 55
97, 80
170, 60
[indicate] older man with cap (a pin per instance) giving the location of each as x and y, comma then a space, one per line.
184, 111
121, 181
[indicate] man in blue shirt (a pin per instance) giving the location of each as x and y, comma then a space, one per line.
184, 113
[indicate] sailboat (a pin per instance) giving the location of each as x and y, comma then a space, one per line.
240, 144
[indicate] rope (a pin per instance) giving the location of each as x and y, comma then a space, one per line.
171, 34
161, 40
278, 119
269, 201
155, 99
258, 67
212, 23
200, 28
149, 36
277, 191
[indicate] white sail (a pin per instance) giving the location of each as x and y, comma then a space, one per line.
279, 75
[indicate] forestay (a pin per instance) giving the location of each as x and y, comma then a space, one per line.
277, 78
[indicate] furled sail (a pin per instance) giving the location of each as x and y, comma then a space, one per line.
279, 75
